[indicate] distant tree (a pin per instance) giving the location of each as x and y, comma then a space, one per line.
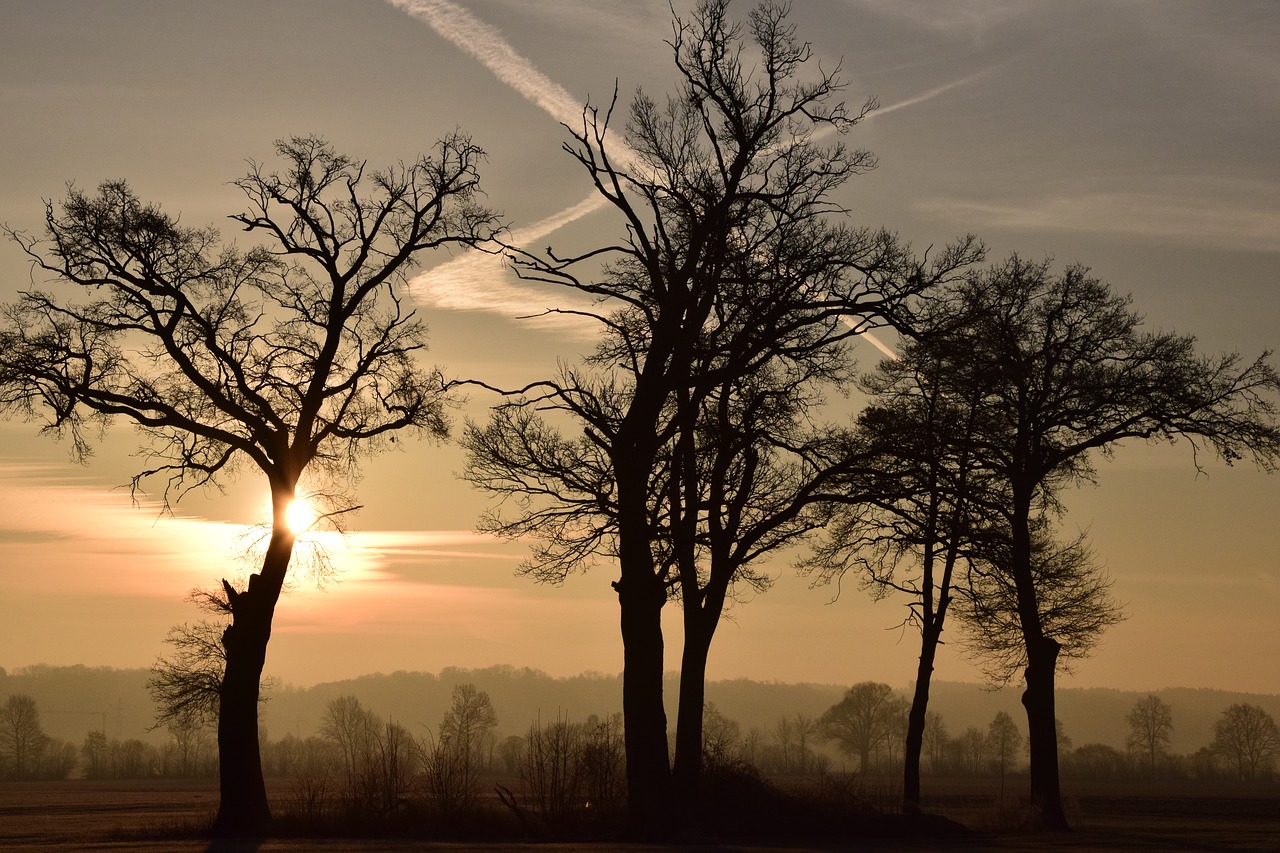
453, 761
1247, 736
912, 507
862, 720
22, 738
934, 740
1004, 742
469, 723
57, 760
721, 739
1097, 761
807, 731
602, 766
295, 357
354, 728
1150, 727
1065, 371
511, 753
133, 759
191, 736
972, 745
93, 754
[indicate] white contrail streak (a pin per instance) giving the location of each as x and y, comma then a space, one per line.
473, 281
486, 44
929, 95
477, 281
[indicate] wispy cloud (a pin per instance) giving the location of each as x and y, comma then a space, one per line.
105, 543
1216, 215
476, 281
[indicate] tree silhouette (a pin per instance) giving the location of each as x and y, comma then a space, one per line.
1247, 736
1073, 601
1004, 741
911, 507
1062, 369
22, 738
1150, 726
294, 357
724, 312
862, 720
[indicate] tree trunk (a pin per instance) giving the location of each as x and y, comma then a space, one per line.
243, 810
1042, 663
640, 599
1038, 698
687, 773
929, 637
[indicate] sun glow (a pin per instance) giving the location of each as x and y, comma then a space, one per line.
300, 516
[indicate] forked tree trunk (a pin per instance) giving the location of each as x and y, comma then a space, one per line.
640, 601
243, 810
1038, 699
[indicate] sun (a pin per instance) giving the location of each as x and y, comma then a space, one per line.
300, 516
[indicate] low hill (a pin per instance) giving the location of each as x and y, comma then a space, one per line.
74, 700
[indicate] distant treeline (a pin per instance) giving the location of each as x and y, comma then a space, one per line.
74, 700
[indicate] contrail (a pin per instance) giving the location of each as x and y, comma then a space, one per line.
469, 281
929, 95
486, 44
474, 281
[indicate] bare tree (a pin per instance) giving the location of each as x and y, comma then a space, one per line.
1066, 370
861, 721
935, 739
1004, 743
1150, 727
452, 761
911, 507
724, 312
1247, 736
294, 357
722, 743
1073, 600
470, 721
973, 746
22, 738
187, 685
354, 728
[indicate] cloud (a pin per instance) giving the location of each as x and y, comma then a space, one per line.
476, 281
479, 281
970, 19
107, 544
1217, 216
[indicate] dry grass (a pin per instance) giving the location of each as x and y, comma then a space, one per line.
146, 816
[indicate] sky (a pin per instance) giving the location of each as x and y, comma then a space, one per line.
1138, 138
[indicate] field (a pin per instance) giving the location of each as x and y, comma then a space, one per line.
156, 816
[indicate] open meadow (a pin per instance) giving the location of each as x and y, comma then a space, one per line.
82, 815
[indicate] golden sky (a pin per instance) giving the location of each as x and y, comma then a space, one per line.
1135, 137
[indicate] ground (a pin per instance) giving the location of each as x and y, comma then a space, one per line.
142, 816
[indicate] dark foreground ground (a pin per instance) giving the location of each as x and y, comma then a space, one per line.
150, 816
